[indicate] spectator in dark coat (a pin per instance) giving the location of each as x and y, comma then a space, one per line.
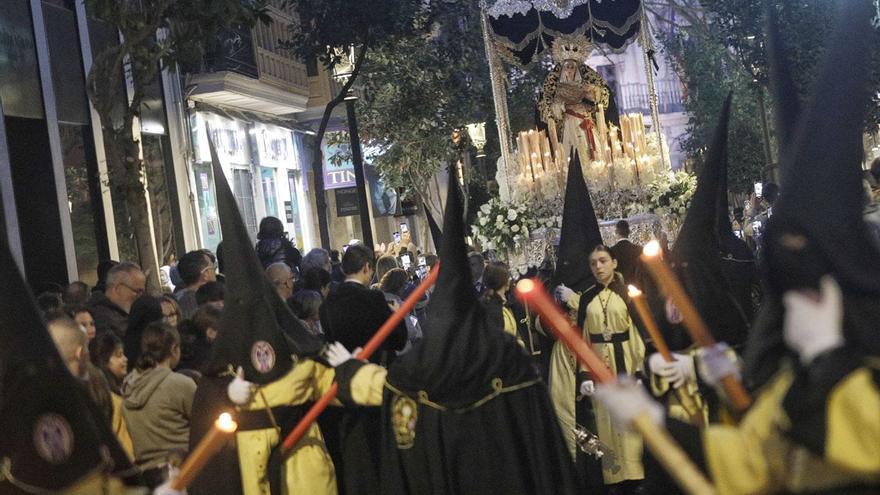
125, 283
626, 252
273, 246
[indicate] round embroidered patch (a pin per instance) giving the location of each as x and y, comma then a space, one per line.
53, 438
404, 415
673, 315
263, 356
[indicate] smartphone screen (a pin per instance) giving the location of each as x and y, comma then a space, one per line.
759, 188
422, 261
406, 261
397, 237
404, 228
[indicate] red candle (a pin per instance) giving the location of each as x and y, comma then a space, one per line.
532, 292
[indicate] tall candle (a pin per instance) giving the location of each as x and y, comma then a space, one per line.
688, 402
204, 451
691, 318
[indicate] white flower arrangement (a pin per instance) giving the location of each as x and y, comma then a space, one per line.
503, 226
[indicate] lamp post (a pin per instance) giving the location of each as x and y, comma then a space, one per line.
342, 70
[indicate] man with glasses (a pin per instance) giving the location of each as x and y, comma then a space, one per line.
125, 283
282, 279
196, 268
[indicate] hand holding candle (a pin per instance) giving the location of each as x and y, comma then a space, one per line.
204, 451
692, 320
687, 401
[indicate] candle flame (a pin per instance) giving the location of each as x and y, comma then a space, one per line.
225, 423
634, 291
525, 286
651, 249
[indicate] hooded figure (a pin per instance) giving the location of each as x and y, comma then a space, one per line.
465, 410
258, 333
813, 426
578, 237
817, 226
52, 436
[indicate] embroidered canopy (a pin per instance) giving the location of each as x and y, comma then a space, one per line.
523, 29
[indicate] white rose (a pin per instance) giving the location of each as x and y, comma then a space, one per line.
511, 215
485, 208
499, 219
515, 228
483, 220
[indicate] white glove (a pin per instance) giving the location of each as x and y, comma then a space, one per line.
165, 489
677, 372
337, 354
715, 364
563, 293
588, 388
240, 391
813, 326
626, 400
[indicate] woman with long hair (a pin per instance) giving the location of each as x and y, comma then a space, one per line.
496, 283
157, 403
107, 355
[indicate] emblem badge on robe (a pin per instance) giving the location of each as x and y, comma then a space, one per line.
404, 415
53, 438
262, 356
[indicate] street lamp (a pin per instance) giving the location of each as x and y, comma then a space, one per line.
345, 60
477, 133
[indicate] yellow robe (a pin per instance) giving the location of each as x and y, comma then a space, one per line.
623, 453
308, 469
756, 457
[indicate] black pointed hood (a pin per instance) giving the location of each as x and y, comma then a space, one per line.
460, 355
436, 233
52, 434
817, 226
821, 196
696, 256
257, 330
579, 233
784, 91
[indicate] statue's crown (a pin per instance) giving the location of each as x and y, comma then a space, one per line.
571, 47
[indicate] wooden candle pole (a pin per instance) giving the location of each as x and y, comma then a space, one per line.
692, 320
657, 439
687, 401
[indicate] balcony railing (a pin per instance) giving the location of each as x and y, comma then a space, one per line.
234, 51
276, 63
634, 97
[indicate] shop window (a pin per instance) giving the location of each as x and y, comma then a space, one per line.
242, 189
19, 72
270, 196
81, 199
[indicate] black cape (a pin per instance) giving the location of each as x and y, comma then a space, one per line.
465, 410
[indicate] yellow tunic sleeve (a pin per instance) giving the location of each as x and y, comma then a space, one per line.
853, 430
368, 385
